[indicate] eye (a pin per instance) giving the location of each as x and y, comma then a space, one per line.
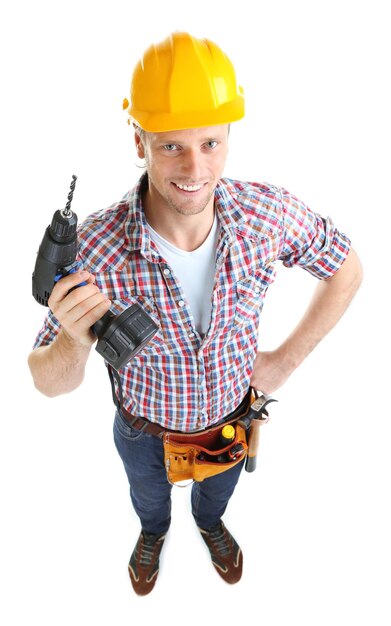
211, 144
170, 147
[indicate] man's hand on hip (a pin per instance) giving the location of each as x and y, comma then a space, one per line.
270, 371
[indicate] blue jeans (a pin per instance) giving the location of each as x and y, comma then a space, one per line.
150, 491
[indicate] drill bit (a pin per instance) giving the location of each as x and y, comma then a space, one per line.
67, 211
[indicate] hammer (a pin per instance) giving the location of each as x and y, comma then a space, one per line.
253, 420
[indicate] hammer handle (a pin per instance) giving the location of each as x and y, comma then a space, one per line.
253, 444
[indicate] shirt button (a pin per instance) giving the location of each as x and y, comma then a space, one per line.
191, 334
166, 271
181, 303
257, 290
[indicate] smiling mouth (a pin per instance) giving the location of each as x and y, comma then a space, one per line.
188, 188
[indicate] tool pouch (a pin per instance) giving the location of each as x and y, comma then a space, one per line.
196, 456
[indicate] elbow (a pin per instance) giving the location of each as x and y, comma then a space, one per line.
350, 274
37, 380
49, 393
48, 382
357, 270
40, 378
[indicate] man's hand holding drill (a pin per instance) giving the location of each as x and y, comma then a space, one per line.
78, 309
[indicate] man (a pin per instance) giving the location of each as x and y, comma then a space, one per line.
198, 253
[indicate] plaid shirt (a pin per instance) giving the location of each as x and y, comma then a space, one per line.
181, 380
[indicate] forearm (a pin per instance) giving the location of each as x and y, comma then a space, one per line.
329, 302
58, 368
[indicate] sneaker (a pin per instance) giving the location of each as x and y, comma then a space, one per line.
227, 557
144, 562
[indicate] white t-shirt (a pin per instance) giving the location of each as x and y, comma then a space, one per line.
195, 272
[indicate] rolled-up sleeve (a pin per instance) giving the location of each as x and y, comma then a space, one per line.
309, 240
48, 332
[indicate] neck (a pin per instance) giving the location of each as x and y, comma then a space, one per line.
187, 232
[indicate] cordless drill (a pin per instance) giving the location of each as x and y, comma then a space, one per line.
120, 337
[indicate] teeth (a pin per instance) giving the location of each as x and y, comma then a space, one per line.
189, 187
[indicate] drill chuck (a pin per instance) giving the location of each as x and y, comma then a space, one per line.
63, 227
57, 253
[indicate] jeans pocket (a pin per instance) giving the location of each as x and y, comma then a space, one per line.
125, 430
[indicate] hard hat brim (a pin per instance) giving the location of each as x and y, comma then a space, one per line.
228, 112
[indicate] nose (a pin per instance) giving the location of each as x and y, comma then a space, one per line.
191, 165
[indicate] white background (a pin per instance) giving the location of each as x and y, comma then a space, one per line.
313, 520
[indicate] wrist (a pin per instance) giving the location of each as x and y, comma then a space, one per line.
289, 357
68, 345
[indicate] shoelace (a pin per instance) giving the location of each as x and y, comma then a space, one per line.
219, 540
146, 549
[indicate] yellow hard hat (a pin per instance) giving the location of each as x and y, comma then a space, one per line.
184, 82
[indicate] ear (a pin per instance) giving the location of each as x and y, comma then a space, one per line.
139, 145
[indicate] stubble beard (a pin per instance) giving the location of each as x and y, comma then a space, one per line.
183, 208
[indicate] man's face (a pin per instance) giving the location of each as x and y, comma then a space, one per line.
184, 167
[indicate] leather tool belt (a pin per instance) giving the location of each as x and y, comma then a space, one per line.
199, 455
